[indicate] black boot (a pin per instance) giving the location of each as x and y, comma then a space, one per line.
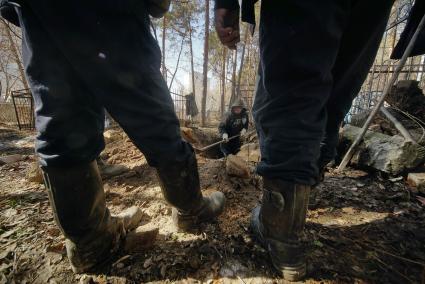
78, 202
180, 186
278, 224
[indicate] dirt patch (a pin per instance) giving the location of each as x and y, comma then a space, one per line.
361, 228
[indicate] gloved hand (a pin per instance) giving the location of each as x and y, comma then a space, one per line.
227, 27
243, 132
158, 8
225, 137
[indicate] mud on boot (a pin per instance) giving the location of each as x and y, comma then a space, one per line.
180, 186
79, 208
96, 250
278, 223
209, 208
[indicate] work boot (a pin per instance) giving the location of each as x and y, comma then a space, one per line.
108, 170
278, 224
78, 203
180, 186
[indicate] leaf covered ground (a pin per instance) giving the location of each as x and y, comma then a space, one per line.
361, 227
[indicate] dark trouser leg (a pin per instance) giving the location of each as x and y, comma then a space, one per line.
298, 53
69, 120
355, 58
299, 43
123, 74
298, 50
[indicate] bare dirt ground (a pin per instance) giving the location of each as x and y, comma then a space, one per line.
361, 228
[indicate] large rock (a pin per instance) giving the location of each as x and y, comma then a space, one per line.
390, 154
250, 152
132, 217
34, 173
236, 166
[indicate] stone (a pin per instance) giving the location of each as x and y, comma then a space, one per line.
110, 170
141, 239
10, 159
250, 152
237, 167
417, 180
389, 154
34, 173
112, 135
132, 217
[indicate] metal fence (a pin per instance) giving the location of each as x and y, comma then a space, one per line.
179, 105
7, 114
23, 104
383, 67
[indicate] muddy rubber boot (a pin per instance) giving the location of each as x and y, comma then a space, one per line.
78, 202
278, 224
180, 186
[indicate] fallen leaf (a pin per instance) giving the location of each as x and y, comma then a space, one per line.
421, 200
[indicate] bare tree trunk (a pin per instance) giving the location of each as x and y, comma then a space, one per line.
16, 56
191, 61
205, 68
235, 61
164, 29
238, 93
223, 82
177, 64
3, 68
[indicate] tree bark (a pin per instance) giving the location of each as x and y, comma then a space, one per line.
223, 82
191, 61
238, 88
16, 56
235, 60
205, 68
177, 64
164, 29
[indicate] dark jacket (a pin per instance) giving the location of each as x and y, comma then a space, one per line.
232, 124
415, 17
8, 12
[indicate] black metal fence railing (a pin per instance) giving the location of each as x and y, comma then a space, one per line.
23, 104
179, 105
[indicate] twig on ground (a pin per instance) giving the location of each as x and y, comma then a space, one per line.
391, 268
363, 245
240, 279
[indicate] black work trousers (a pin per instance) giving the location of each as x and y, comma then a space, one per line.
82, 59
314, 57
